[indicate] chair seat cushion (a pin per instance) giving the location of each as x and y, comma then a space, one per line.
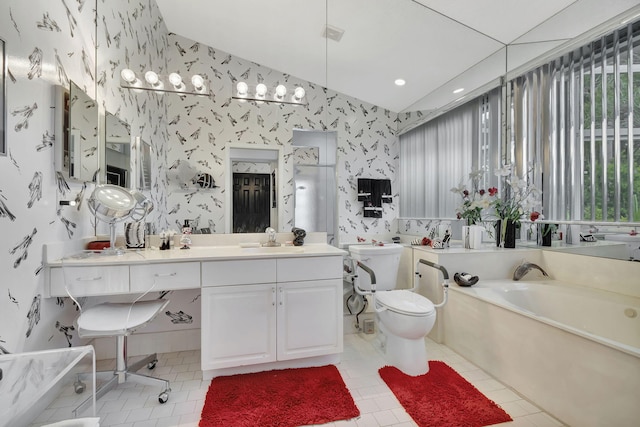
110, 319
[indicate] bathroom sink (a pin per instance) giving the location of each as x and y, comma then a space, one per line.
274, 250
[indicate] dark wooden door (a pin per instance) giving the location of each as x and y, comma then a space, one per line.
251, 202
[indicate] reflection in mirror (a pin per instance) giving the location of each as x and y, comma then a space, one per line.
143, 163
76, 134
252, 188
117, 152
314, 175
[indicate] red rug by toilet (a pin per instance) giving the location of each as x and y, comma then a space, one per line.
442, 398
281, 398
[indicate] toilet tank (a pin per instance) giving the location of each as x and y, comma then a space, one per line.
383, 260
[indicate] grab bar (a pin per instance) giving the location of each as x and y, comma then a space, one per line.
372, 275
445, 275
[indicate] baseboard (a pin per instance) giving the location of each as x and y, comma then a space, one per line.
329, 359
141, 344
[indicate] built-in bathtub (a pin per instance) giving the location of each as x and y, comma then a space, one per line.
573, 350
31, 381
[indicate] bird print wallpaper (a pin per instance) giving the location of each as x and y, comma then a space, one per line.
52, 43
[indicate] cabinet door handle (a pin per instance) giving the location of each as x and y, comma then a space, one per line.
273, 295
165, 274
281, 296
89, 279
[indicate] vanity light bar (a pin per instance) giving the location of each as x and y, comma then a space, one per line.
197, 85
261, 93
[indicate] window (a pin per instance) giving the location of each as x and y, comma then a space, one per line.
576, 120
441, 153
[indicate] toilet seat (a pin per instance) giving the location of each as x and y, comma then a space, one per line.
405, 302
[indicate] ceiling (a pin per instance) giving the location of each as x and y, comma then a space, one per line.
435, 45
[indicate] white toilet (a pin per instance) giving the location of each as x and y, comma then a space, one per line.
404, 317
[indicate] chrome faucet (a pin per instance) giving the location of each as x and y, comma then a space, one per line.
271, 237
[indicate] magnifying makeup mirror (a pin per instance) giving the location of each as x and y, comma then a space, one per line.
113, 204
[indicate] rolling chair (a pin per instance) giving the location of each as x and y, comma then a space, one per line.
112, 319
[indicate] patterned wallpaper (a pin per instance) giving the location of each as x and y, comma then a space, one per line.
200, 129
53, 42
48, 43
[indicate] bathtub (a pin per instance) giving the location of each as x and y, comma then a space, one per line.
31, 381
572, 350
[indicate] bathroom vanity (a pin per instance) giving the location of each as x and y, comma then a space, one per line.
262, 308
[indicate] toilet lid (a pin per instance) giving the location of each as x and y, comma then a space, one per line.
404, 301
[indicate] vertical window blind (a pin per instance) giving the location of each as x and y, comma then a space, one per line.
575, 124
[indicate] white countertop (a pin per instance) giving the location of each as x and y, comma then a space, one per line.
204, 253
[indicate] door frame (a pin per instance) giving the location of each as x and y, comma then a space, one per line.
252, 153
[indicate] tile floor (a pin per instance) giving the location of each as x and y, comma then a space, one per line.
132, 405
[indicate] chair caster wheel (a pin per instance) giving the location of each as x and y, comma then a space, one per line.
163, 397
79, 387
152, 364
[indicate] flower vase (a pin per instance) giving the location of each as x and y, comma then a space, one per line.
506, 233
475, 232
544, 235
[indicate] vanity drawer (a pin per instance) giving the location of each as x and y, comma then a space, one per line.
169, 276
90, 281
244, 272
309, 268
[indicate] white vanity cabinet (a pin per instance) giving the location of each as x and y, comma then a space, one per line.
270, 310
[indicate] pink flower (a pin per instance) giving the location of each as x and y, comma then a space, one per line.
493, 191
534, 215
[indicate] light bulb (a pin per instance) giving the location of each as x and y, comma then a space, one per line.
242, 88
299, 93
175, 79
128, 75
281, 91
197, 81
151, 78
261, 89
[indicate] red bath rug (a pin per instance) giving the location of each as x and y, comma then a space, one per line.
281, 398
442, 398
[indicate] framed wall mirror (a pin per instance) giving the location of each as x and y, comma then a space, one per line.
76, 134
3, 92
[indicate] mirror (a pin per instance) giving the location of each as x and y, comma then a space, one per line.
199, 130
314, 180
76, 134
117, 152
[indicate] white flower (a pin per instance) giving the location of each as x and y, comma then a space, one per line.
476, 174
504, 171
459, 189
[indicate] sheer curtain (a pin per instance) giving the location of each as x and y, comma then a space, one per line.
436, 157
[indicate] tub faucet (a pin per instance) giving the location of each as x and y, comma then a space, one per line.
271, 238
526, 267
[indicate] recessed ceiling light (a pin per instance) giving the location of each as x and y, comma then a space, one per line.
458, 90
400, 82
